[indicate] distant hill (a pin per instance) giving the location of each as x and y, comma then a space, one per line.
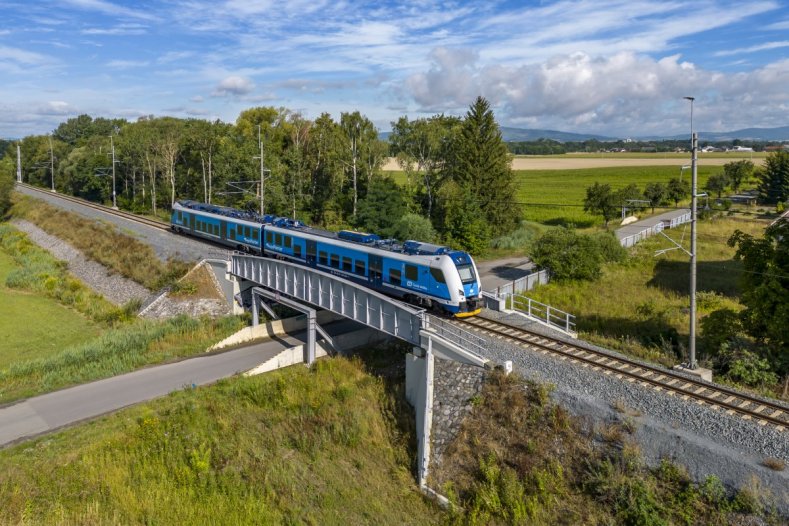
529, 134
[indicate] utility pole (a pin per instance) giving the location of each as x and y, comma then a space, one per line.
262, 177
18, 164
114, 202
52, 162
693, 205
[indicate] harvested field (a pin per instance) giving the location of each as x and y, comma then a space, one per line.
582, 161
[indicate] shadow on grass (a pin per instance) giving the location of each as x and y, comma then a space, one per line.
712, 276
569, 223
652, 332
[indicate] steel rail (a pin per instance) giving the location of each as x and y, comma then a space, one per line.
731, 401
109, 210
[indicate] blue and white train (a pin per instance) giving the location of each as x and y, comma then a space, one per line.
431, 276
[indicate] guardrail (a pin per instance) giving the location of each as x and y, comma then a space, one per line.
631, 240
545, 314
523, 284
466, 340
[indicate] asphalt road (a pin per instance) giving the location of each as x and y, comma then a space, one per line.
48, 412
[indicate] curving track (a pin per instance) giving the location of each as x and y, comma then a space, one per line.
109, 210
658, 378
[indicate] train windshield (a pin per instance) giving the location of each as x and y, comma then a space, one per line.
466, 273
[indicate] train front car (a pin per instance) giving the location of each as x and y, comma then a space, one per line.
463, 283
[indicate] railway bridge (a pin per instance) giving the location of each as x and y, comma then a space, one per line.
306, 290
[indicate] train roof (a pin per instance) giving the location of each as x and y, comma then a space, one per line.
409, 247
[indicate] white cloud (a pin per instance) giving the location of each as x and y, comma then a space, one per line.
109, 8
626, 91
753, 49
197, 98
21, 56
56, 107
233, 85
127, 64
119, 30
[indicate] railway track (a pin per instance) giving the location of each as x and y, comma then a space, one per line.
106, 209
658, 378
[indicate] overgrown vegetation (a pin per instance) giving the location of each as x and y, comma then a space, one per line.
520, 459
573, 256
102, 243
297, 446
36, 270
117, 351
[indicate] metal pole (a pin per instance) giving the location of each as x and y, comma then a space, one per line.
114, 202
693, 206
262, 187
18, 164
52, 160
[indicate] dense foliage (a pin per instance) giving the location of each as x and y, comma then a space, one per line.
570, 255
322, 171
774, 178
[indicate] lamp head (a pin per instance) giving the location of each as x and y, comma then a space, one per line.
689, 98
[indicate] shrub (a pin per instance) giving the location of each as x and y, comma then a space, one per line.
568, 255
414, 226
611, 249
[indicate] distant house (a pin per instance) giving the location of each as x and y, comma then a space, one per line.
743, 199
741, 149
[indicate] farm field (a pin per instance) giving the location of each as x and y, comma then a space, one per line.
34, 326
579, 161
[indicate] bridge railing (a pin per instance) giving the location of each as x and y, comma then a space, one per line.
464, 339
545, 314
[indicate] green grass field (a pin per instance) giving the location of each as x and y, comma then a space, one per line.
641, 306
733, 156
556, 197
34, 326
298, 446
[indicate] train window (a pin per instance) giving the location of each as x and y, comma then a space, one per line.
288, 242
248, 231
347, 264
359, 267
466, 273
323, 258
269, 237
297, 250
231, 233
437, 275
335, 261
411, 272
394, 275
278, 239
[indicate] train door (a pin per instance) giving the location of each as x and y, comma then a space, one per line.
375, 264
312, 252
192, 222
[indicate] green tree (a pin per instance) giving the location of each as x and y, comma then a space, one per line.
383, 206
601, 200
359, 153
7, 171
626, 195
464, 226
482, 167
678, 190
738, 172
568, 255
717, 184
656, 194
414, 226
774, 178
766, 289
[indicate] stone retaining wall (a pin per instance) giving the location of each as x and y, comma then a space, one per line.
454, 386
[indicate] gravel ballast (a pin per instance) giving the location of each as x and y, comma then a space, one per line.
705, 440
113, 287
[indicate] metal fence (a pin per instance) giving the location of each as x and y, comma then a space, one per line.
466, 340
631, 240
523, 284
545, 314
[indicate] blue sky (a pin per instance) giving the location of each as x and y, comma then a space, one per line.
618, 67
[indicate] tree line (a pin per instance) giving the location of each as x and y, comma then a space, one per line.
326, 172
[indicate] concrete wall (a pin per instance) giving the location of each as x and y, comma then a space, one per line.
273, 328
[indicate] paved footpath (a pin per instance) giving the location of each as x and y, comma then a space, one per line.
51, 411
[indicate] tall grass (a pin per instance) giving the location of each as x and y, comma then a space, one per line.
117, 351
297, 446
102, 243
38, 271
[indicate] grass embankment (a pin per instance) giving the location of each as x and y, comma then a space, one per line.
102, 243
640, 307
33, 325
37, 271
117, 351
298, 446
520, 459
